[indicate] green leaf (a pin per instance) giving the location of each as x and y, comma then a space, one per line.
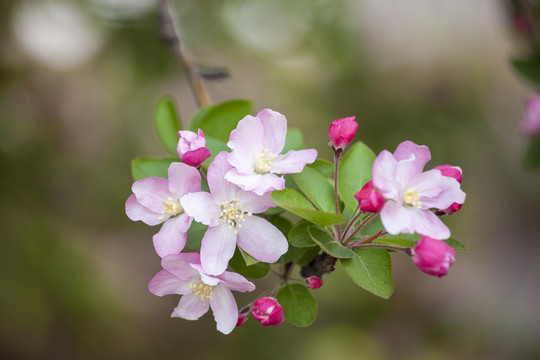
307, 255
395, 242
528, 68
323, 167
370, 268
299, 306
532, 155
167, 124
354, 172
194, 235
144, 166
218, 121
299, 236
284, 225
248, 259
293, 141
455, 244
295, 203
255, 271
329, 245
316, 188
215, 146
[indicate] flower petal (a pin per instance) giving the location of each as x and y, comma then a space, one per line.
224, 308
257, 183
183, 179
217, 248
190, 307
179, 265
165, 283
293, 161
261, 239
170, 239
411, 158
384, 176
396, 219
254, 203
450, 194
236, 282
221, 190
151, 192
135, 211
196, 157
427, 223
246, 142
201, 207
275, 129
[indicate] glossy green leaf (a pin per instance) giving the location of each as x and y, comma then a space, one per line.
316, 188
528, 68
395, 242
293, 141
455, 244
370, 268
218, 121
354, 172
323, 167
299, 236
284, 225
215, 146
254, 271
295, 203
167, 124
194, 236
248, 259
299, 306
144, 166
329, 245
307, 255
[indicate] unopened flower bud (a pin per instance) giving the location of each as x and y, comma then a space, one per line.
192, 147
369, 199
530, 126
432, 256
453, 172
268, 311
342, 131
314, 282
243, 316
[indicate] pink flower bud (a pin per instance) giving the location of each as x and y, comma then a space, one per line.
314, 282
342, 131
268, 311
453, 172
530, 126
192, 147
434, 257
369, 199
243, 316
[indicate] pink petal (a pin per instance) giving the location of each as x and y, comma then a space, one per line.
170, 239
183, 179
136, 211
236, 282
224, 308
196, 157
151, 192
165, 283
217, 248
190, 307
293, 161
207, 279
427, 223
221, 190
451, 193
201, 207
384, 176
255, 182
428, 184
254, 203
261, 239
396, 219
412, 159
179, 265
246, 140
275, 129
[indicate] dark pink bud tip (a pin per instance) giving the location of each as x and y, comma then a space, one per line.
433, 257
196, 157
450, 171
268, 311
314, 282
369, 199
342, 131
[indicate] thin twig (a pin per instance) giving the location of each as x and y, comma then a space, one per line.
337, 156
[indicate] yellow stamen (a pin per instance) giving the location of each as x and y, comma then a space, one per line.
203, 290
263, 161
172, 208
411, 197
232, 214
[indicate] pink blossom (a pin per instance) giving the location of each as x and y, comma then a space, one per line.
157, 200
530, 126
342, 131
432, 256
314, 282
192, 147
456, 173
183, 275
268, 311
411, 193
369, 199
228, 212
256, 145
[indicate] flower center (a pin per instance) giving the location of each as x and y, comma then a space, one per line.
263, 161
204, 291
172, 208
411, 197
232, 214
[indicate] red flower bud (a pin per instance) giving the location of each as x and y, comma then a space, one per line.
369, 199
243, 316
432, 256
192, 147
314, 282
342, 131
453, 172
268, 311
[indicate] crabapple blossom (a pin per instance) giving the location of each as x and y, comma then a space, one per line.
342, 131
192, 147
455, 172
411, 192
530, 126
314, 282
432, 256
256, 145
268, 311
182, 274
228, 212
156, 200
369, 199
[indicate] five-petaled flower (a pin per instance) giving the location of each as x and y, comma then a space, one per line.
228, 210
183, 275
256, 145
156, 200
411, 193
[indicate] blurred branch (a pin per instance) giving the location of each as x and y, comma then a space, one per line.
171, 36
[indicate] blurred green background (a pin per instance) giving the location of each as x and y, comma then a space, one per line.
79, 81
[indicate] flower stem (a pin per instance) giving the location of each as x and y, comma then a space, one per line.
337, 157
407, 250
203, 175
363, 224
356, 215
